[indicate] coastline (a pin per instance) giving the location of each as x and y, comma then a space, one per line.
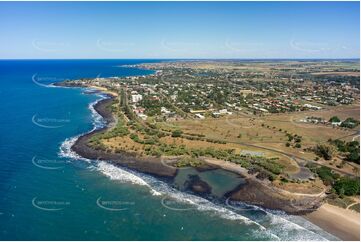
147, 165
254, 192
345, 224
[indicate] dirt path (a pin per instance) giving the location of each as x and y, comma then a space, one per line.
294, 156
353, 138
348, 207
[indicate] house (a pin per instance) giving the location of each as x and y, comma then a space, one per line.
136, 98
139, 110
216, 114
199, 116
336, 123
311, 106
223, 111
142, 116
165, 110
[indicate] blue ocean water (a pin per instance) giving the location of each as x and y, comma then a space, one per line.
47, 193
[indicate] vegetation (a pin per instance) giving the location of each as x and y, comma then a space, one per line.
356, 207
119, 130
326, 175
334, 119
351, 150
342, 185
177, 133
347, 186
325, 150
179, 91
350, 123
188, 161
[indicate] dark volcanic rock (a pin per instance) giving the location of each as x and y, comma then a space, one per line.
253, 192
195, 184
146, 165
68, 84
256, 193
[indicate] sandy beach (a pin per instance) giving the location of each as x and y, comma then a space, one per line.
344, 224
104, 90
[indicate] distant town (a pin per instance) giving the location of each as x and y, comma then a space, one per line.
200, 89
292, 126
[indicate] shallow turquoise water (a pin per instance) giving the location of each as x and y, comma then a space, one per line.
47, 194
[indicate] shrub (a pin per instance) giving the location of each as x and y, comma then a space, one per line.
326, 175
326, 151
177, 133
347, 186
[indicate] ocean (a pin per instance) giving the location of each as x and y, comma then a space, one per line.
50, 193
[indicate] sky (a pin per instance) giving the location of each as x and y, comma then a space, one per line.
154, 30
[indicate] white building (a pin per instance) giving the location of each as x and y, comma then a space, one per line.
142, 116
165, 110
200, 116
311, 106
223, 111
136, 98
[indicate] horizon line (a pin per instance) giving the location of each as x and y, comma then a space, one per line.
272, 58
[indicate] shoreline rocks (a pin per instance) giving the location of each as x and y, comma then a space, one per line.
253, 192
147, 165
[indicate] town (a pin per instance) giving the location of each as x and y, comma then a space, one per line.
211, 89
293, 124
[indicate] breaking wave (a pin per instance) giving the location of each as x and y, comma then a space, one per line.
275, 225
98, 122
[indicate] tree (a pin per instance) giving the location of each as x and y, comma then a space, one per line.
290, 137
350, 123
326, 175
347, 186
334, 119
326, 151
354, 156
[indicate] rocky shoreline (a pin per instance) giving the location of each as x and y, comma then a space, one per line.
147, 165
257, 193
253, 192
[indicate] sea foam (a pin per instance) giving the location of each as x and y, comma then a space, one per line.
97, 121
275, 225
